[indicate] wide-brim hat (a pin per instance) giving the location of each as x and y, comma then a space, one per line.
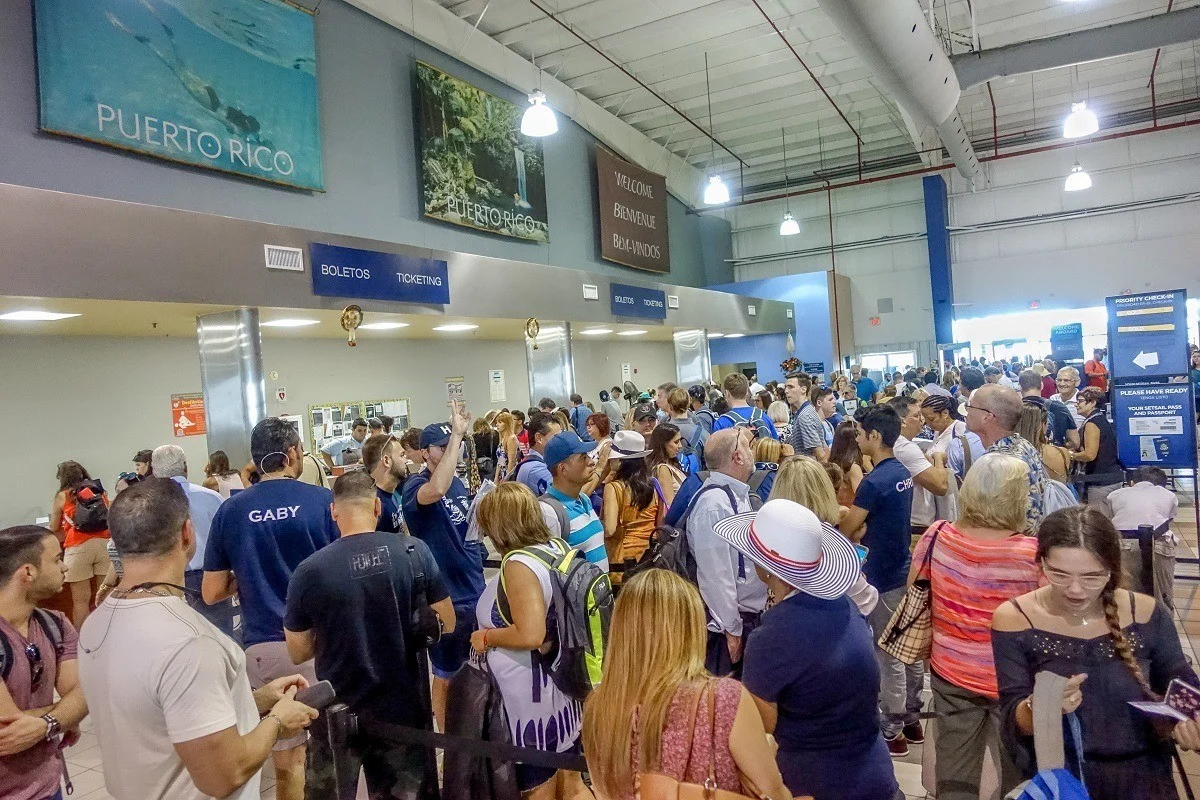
1040, 369
788, 541
627, 444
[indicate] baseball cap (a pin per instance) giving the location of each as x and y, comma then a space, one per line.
644, 410
564, 445
436, 435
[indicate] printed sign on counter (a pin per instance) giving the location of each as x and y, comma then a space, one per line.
1147, 335
633, 214
1155, 425
187, 415
350, 272
634, 301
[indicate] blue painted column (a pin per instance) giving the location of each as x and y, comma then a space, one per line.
941, 277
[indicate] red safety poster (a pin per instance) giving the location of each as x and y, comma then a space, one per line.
187, 414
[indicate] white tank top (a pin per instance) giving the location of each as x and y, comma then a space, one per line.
226, 483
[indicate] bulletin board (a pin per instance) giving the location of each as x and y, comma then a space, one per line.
328, 421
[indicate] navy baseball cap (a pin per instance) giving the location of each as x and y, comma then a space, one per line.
564, 445
436, 435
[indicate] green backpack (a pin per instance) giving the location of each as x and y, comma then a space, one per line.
581, 610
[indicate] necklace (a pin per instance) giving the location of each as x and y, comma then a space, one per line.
139, 589
148, 588
1080, 620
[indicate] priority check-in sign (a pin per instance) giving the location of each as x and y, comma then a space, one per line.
1147, 335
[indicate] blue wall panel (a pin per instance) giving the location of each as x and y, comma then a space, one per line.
941, 276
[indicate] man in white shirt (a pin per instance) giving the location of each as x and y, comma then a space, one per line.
173, 707
1147, 501
731, 590
931, 477
1068, 392
334, 452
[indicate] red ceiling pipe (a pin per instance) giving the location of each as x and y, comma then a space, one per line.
927, 170
814, 79
636, 80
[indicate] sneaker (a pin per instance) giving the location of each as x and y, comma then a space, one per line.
897, 745
914, 733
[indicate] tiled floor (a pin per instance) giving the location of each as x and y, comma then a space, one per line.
85, 762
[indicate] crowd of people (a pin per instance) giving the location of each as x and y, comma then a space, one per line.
761, 540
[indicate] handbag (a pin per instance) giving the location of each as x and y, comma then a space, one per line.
657, 786
908, 636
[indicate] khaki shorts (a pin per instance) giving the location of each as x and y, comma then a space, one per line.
267, 661
87, 559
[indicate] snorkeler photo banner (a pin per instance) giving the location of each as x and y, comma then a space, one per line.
477, 168
229, 85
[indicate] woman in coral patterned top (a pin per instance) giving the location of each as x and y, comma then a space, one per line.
977, 563
655, 691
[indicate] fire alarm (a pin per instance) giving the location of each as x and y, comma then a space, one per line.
1034, 305
875, 321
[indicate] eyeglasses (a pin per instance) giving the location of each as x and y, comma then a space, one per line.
980, 408
1064, 580
36, 668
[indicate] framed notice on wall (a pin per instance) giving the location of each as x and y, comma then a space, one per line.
187, 415
477, 168
633, 214
229, 85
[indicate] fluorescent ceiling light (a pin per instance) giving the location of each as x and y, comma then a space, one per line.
383, 326
35, 316
638, 332
595, 332
289, 323
716, 193
716, 336
789, 226
539, 119
455, 327
734, 335
1080, 122
1078, 180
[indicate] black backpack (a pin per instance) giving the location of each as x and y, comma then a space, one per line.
757, 421
53, 630
512, 476
91, 509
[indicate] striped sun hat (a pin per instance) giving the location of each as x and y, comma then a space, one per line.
788, 541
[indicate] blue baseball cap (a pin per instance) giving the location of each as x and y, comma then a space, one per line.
436, 435
564, 445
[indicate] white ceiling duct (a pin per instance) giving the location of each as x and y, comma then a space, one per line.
894, 39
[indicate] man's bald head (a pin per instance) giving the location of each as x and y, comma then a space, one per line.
1004, 404
720, 447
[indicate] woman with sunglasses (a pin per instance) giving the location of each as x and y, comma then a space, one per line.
1115, 647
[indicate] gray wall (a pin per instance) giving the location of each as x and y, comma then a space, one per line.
365, 78
598, 364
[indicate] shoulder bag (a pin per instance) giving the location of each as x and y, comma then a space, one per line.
908, 637
657, 786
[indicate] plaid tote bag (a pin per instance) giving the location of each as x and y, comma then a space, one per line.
908, 637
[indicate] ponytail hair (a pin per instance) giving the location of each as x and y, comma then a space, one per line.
1086, 528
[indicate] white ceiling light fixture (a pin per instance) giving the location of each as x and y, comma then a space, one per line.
595, 331
35, 316
716, 336
734, 335
382, 326
716, 193
789, 226
638, 332
455, 327
1078, 180
539, 119
289, 323
1080, 122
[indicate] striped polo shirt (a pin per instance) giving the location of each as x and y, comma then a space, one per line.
587, 532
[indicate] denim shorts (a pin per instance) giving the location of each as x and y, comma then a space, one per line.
454, 648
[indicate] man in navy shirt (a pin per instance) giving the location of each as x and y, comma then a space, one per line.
435, 510
383, 459
880, 519
259, 537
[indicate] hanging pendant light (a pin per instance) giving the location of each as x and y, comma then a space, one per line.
1078, 180
716, 192
789, 226
1080, 122
539, 119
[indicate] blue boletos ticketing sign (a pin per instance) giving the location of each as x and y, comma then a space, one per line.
350, 272
1155, 425
1147, 335
1066, 342
634, 301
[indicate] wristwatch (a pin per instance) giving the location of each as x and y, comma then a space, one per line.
52, 726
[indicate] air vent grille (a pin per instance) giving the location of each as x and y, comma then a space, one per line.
288, 258
885, 305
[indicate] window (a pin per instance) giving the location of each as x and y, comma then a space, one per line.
889, 362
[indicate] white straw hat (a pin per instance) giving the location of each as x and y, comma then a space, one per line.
628, 444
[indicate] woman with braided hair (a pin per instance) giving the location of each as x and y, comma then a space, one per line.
1113, 645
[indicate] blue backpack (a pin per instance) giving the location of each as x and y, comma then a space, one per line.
1058, 742
691, 454
683, 498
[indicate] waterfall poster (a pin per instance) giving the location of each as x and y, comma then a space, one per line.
477, 168
229, 85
